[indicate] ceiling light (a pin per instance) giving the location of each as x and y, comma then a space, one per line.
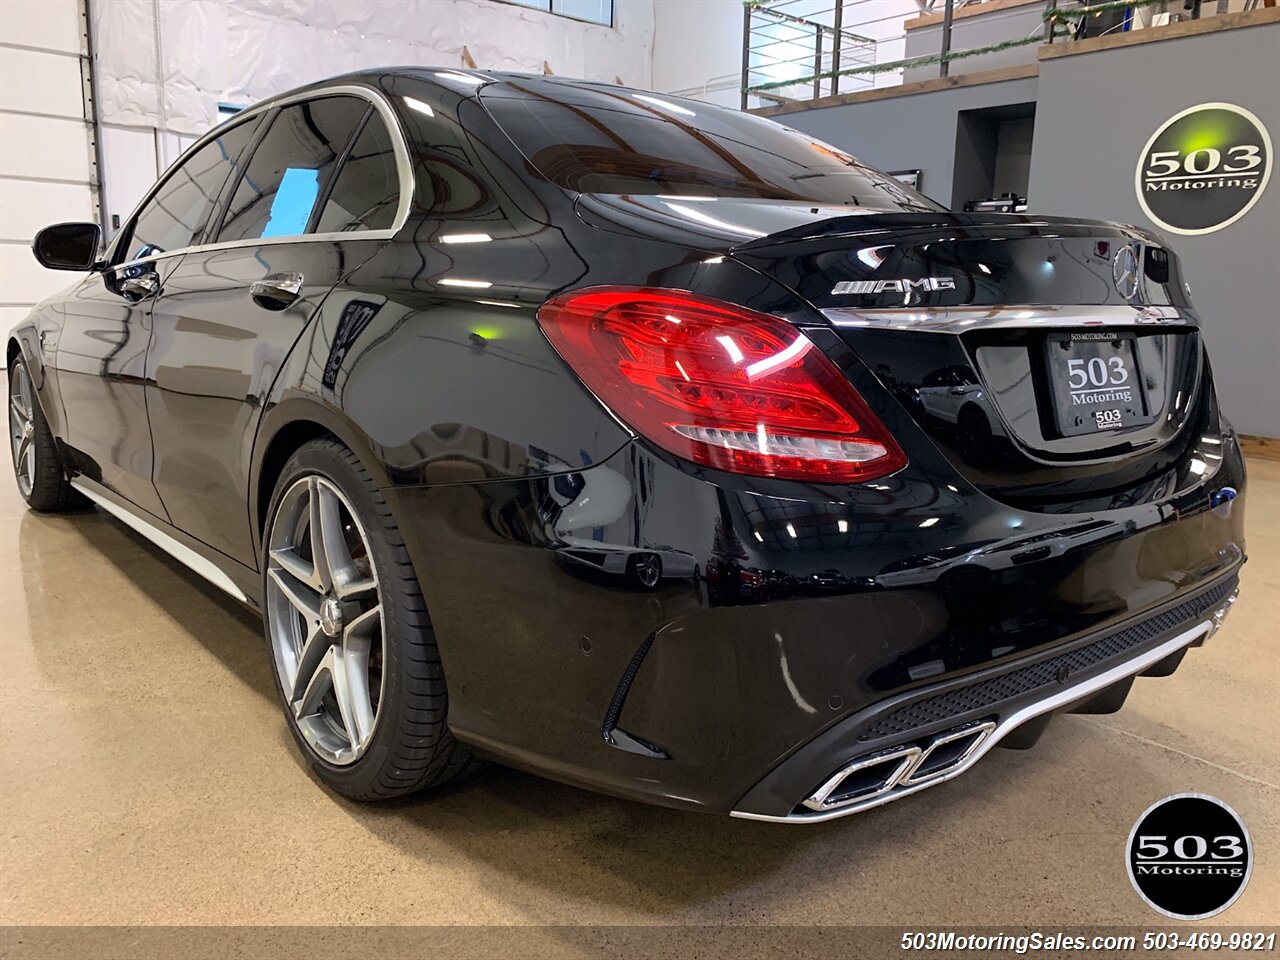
414, 104
461, 78
700, 217
674, 108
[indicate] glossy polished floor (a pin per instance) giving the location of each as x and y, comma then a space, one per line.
146, 777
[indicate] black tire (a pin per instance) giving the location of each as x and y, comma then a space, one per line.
975, 435
411, 746
51, 491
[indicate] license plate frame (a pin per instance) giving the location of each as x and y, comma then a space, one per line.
1095, 382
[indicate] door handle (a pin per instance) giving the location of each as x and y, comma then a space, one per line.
276, 291
140, 288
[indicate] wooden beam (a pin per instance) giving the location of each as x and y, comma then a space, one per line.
1261, 448
1172, 31
969, 10
1020, 72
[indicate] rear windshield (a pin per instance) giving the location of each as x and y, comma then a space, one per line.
614, 140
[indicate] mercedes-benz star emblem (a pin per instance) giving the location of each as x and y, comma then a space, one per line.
1124, 271
331, 617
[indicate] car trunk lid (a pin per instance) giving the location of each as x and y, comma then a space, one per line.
1049, 359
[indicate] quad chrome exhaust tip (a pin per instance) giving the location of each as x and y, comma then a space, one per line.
1220, 615
874, 776
874, 779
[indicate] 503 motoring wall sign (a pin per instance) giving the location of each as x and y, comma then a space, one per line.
1204, 168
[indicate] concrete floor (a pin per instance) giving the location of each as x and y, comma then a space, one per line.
146, 776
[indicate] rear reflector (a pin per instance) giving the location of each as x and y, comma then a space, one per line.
719, 384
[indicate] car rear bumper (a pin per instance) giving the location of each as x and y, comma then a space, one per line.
918, 740
743, 683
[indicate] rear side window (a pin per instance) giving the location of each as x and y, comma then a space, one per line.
180, 209
366, 194
614, 140
290, 168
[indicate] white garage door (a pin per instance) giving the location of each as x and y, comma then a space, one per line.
46, 148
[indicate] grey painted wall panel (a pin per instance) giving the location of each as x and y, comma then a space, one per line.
1013, 161
908, 133
1095, 114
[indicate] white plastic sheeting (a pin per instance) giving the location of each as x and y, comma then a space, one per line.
166, 64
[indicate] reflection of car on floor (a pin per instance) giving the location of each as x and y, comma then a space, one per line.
644, 568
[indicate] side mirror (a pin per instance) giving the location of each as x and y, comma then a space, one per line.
68, 246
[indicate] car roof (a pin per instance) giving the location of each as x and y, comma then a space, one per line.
463, 80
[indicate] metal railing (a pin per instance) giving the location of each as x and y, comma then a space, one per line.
795, 50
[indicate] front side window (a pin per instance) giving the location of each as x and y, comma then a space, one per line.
176, 215
290, 168
618, 141
366, 194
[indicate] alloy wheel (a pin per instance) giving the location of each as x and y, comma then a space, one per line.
648, 568
324, 616
22, 427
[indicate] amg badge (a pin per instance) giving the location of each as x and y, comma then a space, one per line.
895, 286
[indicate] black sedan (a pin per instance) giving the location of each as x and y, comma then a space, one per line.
580, 428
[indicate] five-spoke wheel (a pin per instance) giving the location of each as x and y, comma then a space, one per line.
351, 644
22, 427
37, 462
324, 614
645, 569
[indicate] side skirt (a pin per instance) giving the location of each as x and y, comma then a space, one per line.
217, 572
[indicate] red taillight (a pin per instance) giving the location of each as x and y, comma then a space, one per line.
719, 384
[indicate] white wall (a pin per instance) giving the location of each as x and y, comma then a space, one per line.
696, 41
164, 65
46, 157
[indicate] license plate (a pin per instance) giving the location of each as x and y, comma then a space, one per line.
1095, 382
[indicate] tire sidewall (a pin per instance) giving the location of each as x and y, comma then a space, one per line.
50, 489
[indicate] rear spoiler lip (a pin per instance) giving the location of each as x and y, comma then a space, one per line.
721, 230
981, 226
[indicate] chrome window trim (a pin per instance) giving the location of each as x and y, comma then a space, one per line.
1028, 316
404, 170
1004, 727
